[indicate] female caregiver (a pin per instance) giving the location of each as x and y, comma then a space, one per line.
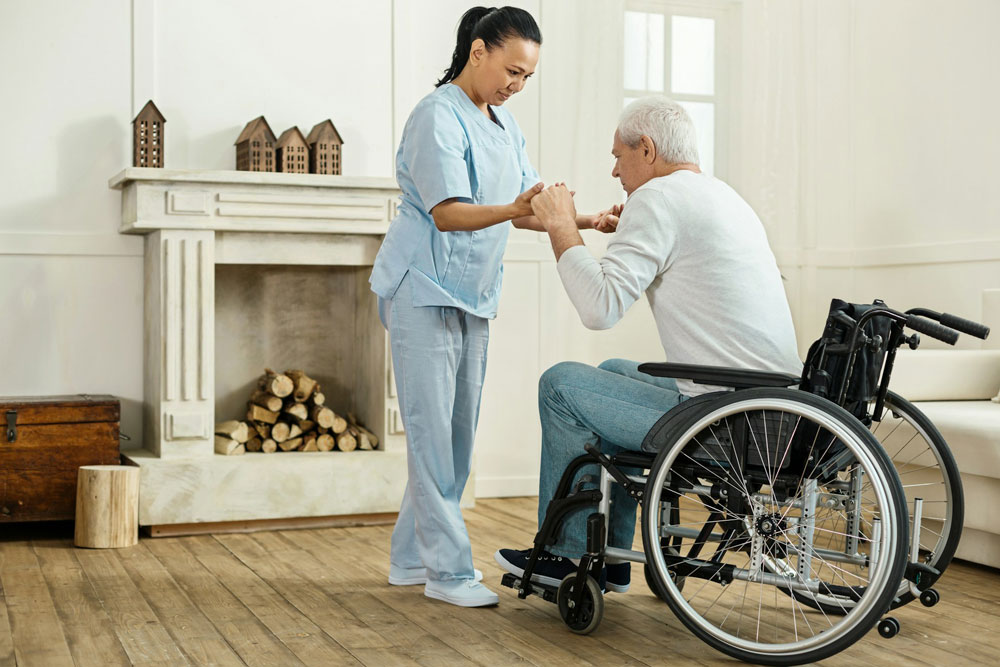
464, 172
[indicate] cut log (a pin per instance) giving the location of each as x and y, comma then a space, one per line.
268, 446
365, 442
266, 400
294, 431
289, 445
228, 446
339, 424
235, 430
297, 410
346, 442
263, 430
371, 436
276, 383
307, 425
309, 443
255, 413
107, 507
325, 442
323, 416
318, 398
360, 427
304, 385
280, 432
254, 443
361, 435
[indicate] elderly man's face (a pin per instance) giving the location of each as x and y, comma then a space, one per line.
632, 166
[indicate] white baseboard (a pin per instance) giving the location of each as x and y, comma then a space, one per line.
503, 487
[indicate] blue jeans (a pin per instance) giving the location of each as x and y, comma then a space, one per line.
439, 359
613, 406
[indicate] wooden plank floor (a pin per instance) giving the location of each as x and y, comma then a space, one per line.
319, 597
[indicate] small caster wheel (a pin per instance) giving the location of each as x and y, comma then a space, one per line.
585, 617
888, 627
930, 597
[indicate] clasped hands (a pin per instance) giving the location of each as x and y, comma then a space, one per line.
553, 206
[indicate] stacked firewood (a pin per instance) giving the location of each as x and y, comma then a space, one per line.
288, 412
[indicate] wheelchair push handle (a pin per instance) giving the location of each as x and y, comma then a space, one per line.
932, 329
965, 326
953, 322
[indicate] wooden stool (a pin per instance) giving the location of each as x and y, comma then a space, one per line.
107, 507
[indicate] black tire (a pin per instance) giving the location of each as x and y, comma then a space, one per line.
585, 620
888, 627
940, 556
929, 597
655, 587
842, 428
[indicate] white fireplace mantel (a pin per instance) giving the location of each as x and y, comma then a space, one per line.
196, 221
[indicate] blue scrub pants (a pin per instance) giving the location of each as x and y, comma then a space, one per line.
439, 360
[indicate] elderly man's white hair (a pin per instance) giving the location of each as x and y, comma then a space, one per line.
666, 123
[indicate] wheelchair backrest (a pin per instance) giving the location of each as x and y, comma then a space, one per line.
844, 365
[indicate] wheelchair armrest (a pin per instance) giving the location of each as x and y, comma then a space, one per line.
738, 378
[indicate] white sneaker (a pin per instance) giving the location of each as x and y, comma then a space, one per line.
411, 576
461, 592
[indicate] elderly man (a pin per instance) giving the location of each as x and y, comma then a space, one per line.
700, 254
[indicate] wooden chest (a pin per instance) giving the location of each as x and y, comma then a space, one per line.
43, 442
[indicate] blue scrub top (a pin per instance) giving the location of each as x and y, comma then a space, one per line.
450, 149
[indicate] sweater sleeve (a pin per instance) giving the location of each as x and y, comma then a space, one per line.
641, 249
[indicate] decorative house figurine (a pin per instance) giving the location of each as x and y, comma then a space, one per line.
292, 152
147, 137
255, 147
324, 149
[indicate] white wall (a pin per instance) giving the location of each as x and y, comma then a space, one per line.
72, 297
72, 286
867, 144
862, 133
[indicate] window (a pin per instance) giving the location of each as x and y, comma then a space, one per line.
674, 48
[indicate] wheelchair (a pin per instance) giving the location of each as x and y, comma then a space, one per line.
775, 524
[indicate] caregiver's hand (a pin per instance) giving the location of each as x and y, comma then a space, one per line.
554, 206
522, 205
607, 220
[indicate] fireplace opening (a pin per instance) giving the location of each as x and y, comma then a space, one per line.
321, 319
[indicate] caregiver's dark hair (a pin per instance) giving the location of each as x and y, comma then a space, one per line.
493, 26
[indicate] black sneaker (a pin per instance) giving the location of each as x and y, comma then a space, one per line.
549, 569
619, 576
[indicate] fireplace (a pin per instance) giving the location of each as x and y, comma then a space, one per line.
247, 270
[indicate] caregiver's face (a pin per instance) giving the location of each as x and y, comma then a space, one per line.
503, 71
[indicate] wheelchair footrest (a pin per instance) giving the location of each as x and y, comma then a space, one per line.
547, 593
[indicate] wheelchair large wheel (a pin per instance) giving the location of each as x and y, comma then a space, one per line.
746, 492
928, 470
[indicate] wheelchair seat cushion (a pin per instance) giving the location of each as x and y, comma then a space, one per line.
720, 376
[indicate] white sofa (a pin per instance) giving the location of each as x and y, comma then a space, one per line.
959, 391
